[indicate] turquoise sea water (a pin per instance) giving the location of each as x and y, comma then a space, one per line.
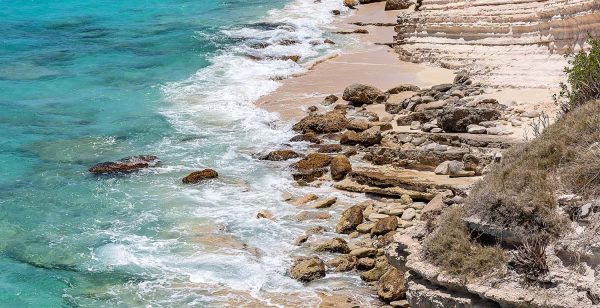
88, 81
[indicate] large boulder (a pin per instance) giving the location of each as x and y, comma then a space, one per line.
392, 286
313, 161
385, 225
311, 167
397, 5
337, 244
331, 122
340, 166
306, 269
350, 219
343, 263
457, 119
368, 137
359, 94
125, 165
280, 155
199, 176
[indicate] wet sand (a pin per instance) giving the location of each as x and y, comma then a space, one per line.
365, 61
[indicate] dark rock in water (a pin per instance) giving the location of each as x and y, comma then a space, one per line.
260, 45
288, 42
271, 26
456, 119
359, 94
331, 122
125, 165
306, 269
335, 12
280, 155
199, 176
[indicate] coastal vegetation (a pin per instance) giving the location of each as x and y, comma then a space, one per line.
583, 82
521, 195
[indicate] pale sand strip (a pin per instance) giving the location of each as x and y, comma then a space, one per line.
364, 62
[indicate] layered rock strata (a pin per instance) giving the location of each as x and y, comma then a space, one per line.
517, 43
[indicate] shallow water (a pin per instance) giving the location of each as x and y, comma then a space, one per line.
86, 81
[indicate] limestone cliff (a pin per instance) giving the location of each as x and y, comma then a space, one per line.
517, 43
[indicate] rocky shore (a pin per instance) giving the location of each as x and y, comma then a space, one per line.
412, 150
406, 141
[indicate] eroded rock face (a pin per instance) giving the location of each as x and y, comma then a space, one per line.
331, 122
340, 166
199, 176
350, 219
511, 37
359, 94
306, 269
392, 286
457, 119
280, 155
125, 165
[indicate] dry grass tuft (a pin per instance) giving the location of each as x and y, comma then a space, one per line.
519, 193
450, 247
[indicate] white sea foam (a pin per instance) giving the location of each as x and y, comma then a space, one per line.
218, 126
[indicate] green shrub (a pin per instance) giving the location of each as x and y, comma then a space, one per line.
583, 78
451, 248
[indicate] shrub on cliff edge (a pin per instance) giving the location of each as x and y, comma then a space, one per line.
583, 78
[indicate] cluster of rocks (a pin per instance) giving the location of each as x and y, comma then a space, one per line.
136, 163
365, 230
413, 157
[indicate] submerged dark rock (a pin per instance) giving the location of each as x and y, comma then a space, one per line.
199, 176
125, 165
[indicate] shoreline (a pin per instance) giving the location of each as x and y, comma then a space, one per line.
370, 61
365, 61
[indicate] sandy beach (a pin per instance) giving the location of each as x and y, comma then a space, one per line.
365, 61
